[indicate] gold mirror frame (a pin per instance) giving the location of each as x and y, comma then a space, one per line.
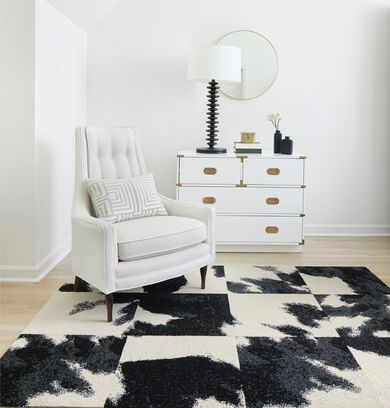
223, 87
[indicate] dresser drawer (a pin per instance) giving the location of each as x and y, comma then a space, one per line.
273, 171
257, 229
250, 200
212, 170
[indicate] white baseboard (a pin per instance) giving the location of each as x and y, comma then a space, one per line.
250, 247
348, 230
35, 273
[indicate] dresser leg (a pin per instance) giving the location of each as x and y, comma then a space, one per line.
109, 301
203, 271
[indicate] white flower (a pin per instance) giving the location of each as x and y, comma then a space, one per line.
274, 118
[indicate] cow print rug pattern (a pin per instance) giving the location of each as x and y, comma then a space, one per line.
257, 336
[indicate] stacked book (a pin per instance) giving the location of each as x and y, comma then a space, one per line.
247, 147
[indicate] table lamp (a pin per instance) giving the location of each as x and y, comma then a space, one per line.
214, 64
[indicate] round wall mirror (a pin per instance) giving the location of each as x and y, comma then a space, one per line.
259, 64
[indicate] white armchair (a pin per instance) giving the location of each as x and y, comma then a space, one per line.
130, 254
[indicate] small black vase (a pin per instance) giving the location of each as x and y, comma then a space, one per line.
277, 141
286, 146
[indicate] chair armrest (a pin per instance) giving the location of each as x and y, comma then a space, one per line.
94, 251
200, 212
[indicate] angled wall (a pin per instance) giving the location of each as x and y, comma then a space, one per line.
60, 105
44, 78
17, 204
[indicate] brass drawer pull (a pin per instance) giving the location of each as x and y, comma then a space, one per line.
272, 230
209, 200
273, 171
272, 200
210, 171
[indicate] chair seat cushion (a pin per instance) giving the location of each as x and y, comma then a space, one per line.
151, 236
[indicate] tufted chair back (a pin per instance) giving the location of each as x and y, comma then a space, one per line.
103, 152
113, 153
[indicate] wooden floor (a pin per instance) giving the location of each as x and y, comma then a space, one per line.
20, 302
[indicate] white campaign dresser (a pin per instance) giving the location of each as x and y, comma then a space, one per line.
259, 198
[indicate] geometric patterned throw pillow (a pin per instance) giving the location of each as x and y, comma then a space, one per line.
123, 199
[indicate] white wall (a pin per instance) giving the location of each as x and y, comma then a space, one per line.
17, 202
332, 91
60, 106
43, 100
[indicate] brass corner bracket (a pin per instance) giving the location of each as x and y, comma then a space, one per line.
303, 157
242, 158
241, 184
302, 243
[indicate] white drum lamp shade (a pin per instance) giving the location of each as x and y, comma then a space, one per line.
214, 64
219, 62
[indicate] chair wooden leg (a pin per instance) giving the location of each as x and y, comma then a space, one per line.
109, 301
77, 282
203, 271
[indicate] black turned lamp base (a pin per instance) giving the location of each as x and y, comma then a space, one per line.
212, 123
211, 150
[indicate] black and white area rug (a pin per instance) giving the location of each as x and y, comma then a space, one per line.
258, 336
